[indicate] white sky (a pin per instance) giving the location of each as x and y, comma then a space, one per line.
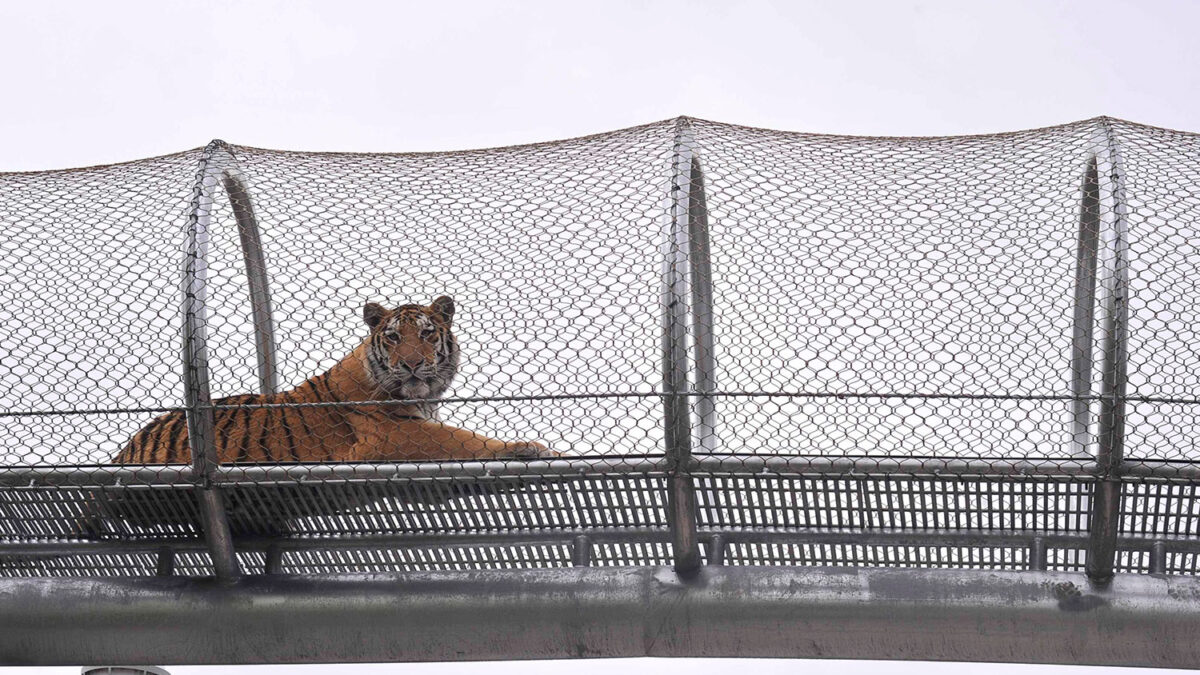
88, 82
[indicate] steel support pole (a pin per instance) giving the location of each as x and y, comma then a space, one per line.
1106, 498
677, 437
256, 276
1085, 303
195, 365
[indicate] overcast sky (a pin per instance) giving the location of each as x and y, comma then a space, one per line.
98, 82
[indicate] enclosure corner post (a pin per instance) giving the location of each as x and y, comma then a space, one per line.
201, 433
1107, 492
677, 270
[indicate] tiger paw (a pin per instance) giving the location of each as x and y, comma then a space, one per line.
530, 450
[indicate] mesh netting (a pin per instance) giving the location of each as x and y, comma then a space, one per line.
890, 335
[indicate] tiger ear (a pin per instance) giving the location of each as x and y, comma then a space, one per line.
373, 313
444, 306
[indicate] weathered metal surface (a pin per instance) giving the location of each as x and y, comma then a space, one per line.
588, 612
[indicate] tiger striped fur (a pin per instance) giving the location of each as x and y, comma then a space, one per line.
410, 354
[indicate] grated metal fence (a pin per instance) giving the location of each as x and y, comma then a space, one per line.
688, 342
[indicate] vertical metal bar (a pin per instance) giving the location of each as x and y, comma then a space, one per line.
1037, 554
195, 367
581, 551
681, 492
165, 562
702, 312
1158, 557
256, 277
716, 550
273, 561
1106, 498
1085, 302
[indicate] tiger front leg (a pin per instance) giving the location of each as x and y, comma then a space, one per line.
418, 440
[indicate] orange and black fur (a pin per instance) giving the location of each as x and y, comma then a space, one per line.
410, 354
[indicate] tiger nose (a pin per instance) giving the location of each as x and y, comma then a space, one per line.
412, 359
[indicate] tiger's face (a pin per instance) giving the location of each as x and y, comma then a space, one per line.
411, 353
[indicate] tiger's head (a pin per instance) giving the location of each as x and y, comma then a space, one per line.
411, 353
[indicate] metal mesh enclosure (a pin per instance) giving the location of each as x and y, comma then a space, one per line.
686, 342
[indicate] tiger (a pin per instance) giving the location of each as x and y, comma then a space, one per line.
410, 354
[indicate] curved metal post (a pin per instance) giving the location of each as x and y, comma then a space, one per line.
256, 275
702, 313
1114, 246
1085, 303
681, 491
201, 435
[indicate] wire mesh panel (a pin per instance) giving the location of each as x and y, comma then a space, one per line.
89, 266
895, 297
1162, 186
682, 342
550, 254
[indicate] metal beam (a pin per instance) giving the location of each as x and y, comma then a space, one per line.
737, 465
954, 615
831, 467
583, 542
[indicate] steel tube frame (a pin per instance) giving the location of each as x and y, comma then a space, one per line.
256, 274
961, 615
1106, 499
218, 165
1087, 253
700, 269
198, 399
677, 274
